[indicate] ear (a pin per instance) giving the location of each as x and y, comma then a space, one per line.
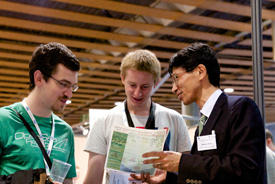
202, 71
156, 83
122, 79
38, 78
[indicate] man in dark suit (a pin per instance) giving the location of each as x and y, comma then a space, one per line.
229, 146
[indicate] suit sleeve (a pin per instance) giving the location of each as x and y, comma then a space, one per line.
242, 156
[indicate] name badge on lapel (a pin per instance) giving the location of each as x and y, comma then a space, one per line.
207, 142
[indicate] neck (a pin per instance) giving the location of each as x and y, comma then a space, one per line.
142, 110
206, 92
36, 106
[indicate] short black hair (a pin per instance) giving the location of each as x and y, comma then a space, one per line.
198, 53
46, 57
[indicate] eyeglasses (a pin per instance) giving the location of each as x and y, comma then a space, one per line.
64, 84
175, 77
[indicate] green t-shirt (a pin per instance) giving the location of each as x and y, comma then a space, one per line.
18, 149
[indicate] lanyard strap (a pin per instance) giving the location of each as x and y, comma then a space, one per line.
47, 158
50, 145
150, 124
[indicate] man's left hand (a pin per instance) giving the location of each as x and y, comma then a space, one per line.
166, 160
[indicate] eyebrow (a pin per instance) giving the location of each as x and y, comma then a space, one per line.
173, 74
66, 81
129, 82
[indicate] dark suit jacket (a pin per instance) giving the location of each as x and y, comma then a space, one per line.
240, 153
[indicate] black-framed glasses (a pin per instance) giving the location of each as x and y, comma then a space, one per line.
64, 84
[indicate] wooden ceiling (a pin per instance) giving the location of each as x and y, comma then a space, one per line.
101, 32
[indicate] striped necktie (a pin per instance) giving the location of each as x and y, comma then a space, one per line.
201, 123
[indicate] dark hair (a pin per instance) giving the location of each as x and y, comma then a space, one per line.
198, 53
46, 57
268, 134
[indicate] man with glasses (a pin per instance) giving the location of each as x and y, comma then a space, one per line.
229, 144
53, 72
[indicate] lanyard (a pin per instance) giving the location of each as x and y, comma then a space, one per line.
50, 145
150, 124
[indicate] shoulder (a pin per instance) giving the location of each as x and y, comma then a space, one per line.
171, 116
4, 111
9, 120
115, 111
245, 109
164, 110
234, 99
61, 123
234, 102
7, 112
108, 117
241, 102
270, 154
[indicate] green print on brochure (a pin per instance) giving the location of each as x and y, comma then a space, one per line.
116, 150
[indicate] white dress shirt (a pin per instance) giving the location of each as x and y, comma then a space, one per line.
210, 103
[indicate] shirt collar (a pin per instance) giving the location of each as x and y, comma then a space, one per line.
209, 104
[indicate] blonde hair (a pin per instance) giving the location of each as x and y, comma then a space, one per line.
141, 60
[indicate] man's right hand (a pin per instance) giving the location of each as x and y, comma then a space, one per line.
146, 178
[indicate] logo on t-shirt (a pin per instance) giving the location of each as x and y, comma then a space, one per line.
58, 144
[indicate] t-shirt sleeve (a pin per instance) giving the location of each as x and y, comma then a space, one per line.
1, 134
71, 159
96, 141
4, 119
184, 142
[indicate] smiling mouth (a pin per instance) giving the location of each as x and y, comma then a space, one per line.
137, 99
64, 101
179, 95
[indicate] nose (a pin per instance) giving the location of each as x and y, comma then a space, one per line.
68, 93
137, 92
174, 88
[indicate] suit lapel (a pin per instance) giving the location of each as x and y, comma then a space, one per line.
215, 114
212, 120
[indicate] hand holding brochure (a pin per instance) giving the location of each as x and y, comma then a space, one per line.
127, 146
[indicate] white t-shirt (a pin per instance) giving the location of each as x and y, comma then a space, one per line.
270, 165
177, 140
